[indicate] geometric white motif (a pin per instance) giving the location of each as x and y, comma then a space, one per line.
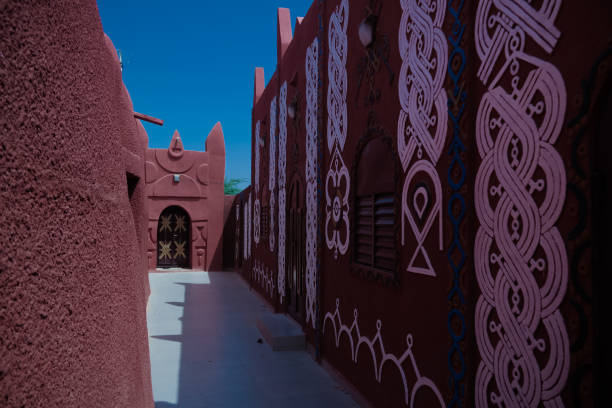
257, 209
336, 70
258, 144
421, 212
263, 276
376, 348
256, 219
312, 110
272, 159
424, 52
271, 207
421, 126
282, 162
519, 194
250, 228
272, 174
336, 193
501, 27
337, 228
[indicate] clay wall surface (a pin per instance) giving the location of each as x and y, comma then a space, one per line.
300, 178
215, 147
399, 305
198, 191
263, 269
237, 233
477, 148
73, 282
231, 237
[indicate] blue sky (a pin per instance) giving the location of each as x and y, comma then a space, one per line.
192, 64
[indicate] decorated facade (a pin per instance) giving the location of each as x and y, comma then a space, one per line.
426, 177
185, 197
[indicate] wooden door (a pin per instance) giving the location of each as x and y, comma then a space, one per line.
296, 255
238, 248
173, 244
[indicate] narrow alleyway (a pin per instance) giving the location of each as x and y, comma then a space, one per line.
205, 351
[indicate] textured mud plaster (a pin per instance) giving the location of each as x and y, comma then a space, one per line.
72, 264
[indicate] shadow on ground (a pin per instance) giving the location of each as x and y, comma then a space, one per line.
221, 363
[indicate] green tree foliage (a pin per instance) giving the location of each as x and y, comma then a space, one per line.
230, 186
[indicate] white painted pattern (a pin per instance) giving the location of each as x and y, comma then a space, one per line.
257, 205
272, 147
249, 225
282, 179
336, 70
272, 173
256, 220
419, 220
271, 234
424, 52
519, 195
258, 144
422, 121
375, 346
312, 110
337, 208
263, 276
337, 182
505, 23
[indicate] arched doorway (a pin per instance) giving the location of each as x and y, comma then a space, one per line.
173, 238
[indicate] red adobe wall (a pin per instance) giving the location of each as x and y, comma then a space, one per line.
199, 192
484, 129
237, 233
72, 266
231, 220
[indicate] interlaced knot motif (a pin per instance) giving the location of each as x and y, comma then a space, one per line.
257, 205
312, 110
337, 182
272, 172
422, 129
282, 179
521, 262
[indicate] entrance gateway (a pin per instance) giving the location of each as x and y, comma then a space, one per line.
173, 238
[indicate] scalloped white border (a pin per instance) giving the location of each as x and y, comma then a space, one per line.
357, 340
